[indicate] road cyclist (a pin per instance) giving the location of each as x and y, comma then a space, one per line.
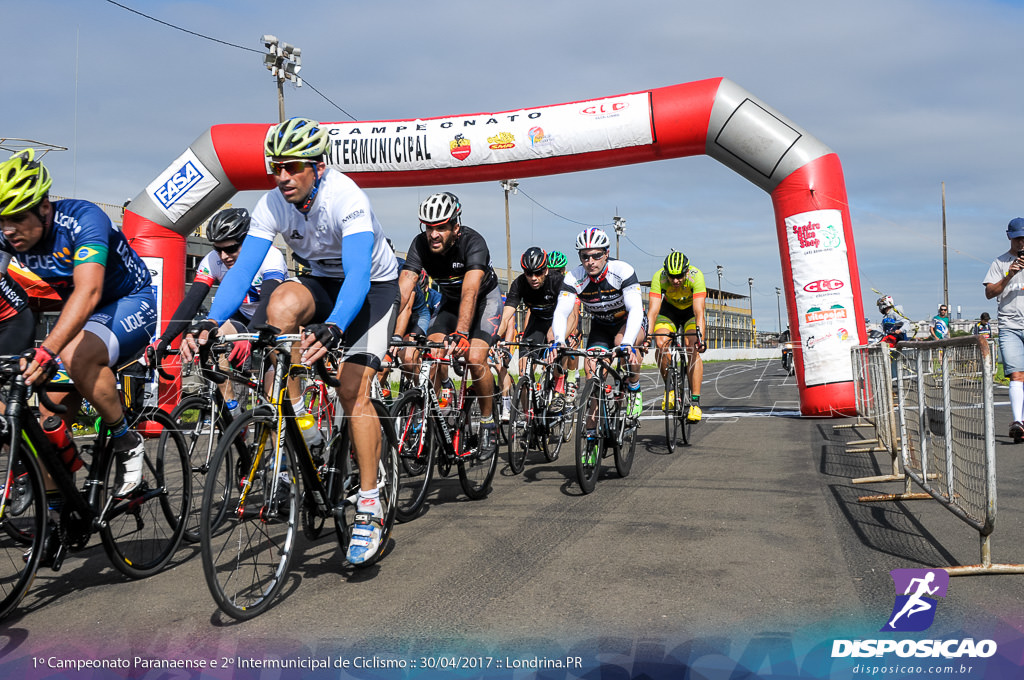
349, 300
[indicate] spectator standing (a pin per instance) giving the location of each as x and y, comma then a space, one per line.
1003, 283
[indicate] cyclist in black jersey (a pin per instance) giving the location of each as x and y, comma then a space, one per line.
456, 257
537, 289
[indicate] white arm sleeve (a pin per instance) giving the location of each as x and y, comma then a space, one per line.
634, 301
5, 260
566, 302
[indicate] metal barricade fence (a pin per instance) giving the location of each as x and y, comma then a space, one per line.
947, 436
873, 388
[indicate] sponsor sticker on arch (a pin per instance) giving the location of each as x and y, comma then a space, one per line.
824, 294
183, 184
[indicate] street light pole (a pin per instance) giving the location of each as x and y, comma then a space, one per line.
284, 62
750, 286
509, 185
720, 316
620, 229
778, 304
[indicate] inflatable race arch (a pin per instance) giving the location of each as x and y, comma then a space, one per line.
714, 117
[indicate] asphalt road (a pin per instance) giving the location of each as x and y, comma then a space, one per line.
748, 545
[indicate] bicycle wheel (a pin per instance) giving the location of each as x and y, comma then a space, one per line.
142, 531
588, 451
197, 423
553, 426
415, 453
624, 444
344, 496
683, 398
247, 554
475, 475
520, 426
669, 408
23, 518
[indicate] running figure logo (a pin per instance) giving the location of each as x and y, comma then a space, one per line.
916, 593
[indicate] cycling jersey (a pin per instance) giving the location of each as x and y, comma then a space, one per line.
13, 298
681, 295
340, 213
81, 232
448, 269
212, 270
613, 298
541, 302
340, 209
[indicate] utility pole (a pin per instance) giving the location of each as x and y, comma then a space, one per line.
620, 229
509, 185
945, 270
284, 62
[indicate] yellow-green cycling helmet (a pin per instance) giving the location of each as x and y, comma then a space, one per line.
24, 182
296, 138
676, 264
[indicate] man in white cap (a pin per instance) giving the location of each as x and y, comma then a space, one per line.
1002, 283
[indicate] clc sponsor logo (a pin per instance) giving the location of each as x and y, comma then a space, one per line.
604, 109
948, 649
178, 185
823, 286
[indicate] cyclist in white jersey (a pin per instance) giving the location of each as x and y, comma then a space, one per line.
350, 299
610, 291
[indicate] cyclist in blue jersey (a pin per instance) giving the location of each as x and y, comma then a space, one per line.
349, 301
109, 310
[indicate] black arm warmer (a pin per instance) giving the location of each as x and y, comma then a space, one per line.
259, 317
183, 315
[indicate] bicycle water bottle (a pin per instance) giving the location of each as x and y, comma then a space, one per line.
310, 432
57, 432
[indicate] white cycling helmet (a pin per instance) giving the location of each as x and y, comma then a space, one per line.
440, 208
885, 302
592, 237
296, 138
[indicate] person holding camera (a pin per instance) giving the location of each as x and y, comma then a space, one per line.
1004, 283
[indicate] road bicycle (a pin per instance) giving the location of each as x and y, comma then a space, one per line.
430, 436
140, 531
533, 423
249, 520
603, 426
676, 401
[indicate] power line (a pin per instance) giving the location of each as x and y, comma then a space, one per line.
562, 217
223, 42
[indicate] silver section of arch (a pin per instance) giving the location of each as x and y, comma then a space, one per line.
188, 191
755, 140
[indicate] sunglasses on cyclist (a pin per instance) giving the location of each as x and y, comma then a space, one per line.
677, 277
293, 167
592, 256
537, 272
228, 250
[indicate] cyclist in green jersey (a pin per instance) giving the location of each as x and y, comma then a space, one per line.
677, 302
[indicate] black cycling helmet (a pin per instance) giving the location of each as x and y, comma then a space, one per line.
676, 264
534, 260
227, 225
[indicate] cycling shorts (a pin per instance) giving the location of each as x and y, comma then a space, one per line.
603, 335
125, 326
671, 318
485, 319
366, 339
17, 333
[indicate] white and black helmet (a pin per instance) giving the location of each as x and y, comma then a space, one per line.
440, 208
592, 237
228, 225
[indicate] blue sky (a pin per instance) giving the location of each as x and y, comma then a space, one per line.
908, 93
